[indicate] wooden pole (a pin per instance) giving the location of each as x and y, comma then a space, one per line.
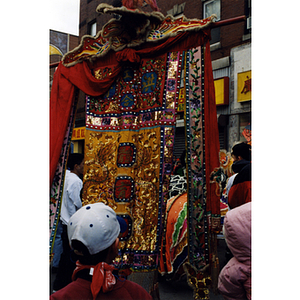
54, 65
228, 21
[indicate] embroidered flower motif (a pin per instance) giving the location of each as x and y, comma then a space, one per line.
195, 103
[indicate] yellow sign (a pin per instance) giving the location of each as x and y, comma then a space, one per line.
78, 133
244, 86
222, 91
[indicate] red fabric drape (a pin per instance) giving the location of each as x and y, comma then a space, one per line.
80, 76
212, 144
61, 100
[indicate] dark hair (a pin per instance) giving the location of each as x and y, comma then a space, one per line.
87, 258
243, 150
74, 159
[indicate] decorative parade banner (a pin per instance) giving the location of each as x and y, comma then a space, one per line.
128, 153
198, 241
118, 34
132, 100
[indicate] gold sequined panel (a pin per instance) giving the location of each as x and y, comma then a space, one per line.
127, 181
128, 152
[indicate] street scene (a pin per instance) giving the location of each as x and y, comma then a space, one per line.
151, 151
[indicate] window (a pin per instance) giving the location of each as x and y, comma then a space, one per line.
177, 10
212, 7
92, 28
248, 15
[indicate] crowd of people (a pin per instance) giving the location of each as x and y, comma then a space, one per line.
87, 239
235, 278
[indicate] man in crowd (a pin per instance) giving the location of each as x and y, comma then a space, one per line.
71, 202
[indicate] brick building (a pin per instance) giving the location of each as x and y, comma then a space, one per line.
230, 52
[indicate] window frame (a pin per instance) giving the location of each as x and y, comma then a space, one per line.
206, 3
90, 28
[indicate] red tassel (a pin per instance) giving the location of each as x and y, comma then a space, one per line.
152, 4
134, 4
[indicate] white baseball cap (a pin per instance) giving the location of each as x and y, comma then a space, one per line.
95, 225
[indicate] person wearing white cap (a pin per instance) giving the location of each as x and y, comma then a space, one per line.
93, 235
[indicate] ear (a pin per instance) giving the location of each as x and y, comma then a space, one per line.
114, 247
77, 252
113, 251
116, 243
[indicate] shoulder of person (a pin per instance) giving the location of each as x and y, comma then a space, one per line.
135, 289
73, 178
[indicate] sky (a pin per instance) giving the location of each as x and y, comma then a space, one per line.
64, 16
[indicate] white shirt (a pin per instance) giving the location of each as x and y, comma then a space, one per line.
71, 201
229, 183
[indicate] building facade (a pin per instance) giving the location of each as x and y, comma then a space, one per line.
230, 53
59, 44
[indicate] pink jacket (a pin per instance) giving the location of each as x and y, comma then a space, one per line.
235, 277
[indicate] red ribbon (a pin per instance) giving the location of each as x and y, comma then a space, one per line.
102, 277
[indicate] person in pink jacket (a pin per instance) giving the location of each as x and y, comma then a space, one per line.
235, 278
